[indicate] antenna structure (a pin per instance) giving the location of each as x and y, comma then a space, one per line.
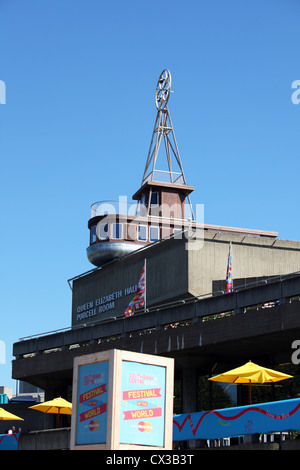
163, 130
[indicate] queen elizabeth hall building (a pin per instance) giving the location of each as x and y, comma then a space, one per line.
185, 263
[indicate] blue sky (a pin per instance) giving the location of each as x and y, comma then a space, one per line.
80, 79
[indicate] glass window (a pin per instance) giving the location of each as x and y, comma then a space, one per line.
154, 234
93, 234
154, 199
142, 233
102, 231
117, 231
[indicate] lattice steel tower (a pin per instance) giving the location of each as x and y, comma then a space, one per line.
173, 175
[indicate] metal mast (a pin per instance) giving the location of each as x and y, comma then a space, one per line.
163, 130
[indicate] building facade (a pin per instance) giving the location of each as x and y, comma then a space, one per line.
186, 262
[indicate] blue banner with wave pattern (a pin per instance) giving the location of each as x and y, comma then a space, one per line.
262, 418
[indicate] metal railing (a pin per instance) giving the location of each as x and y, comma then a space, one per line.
165, 176
134, 209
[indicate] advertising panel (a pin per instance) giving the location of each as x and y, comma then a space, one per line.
122, 400
92, 403
142, 414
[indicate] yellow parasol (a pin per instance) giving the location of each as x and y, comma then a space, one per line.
251, 373
6, 416
58, 406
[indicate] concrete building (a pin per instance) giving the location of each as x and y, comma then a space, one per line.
186, 260
176, 271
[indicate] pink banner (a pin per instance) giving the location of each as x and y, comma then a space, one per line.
92, 393
138, 414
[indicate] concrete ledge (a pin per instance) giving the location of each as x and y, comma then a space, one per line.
196, 309
59, 439
49, 439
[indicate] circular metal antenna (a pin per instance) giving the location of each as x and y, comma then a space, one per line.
163, 89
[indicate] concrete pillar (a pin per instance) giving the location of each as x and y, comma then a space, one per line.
189, 390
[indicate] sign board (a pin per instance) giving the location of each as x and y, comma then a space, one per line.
122, 400
105, 293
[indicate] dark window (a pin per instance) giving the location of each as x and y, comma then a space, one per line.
117, 231
93, 234
154, 199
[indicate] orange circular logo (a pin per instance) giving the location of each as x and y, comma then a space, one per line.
148, 427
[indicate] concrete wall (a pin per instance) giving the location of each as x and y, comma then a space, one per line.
59, 439
167, 278
252, 257
177, 268
264, 334
49, 439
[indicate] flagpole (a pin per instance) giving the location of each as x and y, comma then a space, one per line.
145, 287
228, 283
231, 268
140, 295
